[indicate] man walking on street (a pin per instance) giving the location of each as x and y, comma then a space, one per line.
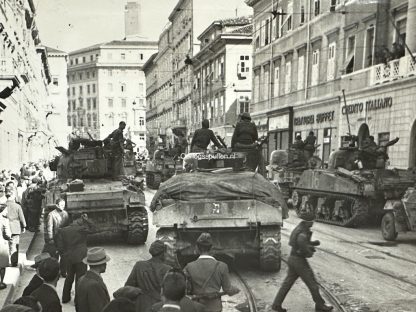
302, 248
46, 293
36, 280
17, 226
148, 275
92, 294
72, 246
207, 276
56, 219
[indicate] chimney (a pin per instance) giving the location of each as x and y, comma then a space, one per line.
132, 19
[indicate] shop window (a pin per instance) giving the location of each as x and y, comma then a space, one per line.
383, 138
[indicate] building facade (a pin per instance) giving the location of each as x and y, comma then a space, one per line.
179, 43
308, 54
24, 80
58, 98
222, 71
106, 85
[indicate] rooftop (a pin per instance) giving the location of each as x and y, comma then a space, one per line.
247, 29
115, 43
50, 50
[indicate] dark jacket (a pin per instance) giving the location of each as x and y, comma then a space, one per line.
245, 132
186, 304
202, 137
199, 271
310, 142
91, 293
55, 220
34, 284
148, 276
300, 240
16, 218
71, 240
48, 298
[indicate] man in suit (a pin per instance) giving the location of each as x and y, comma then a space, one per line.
148, 275
71, 242
17, 225
36, 280
91, 293
207, 276
55, 220
46, 293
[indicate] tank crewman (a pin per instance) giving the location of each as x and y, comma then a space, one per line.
202, 137
298, 144
148, 276
369, 152
310, 144
298, 266
245, 131
207, 276
74, 141
117, 145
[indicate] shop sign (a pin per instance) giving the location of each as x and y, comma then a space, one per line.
280, 122
369, 105
311, 119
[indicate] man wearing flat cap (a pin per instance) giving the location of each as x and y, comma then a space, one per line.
298, 266
36, 280
207, 276
148, 276
91, 293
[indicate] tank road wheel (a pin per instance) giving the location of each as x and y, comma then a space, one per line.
270, 253
168, 237
388, 227
138, 226
157, 179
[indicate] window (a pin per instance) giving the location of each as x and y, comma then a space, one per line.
278, 25
94, 103
89, 120
71, 62
221, 67
244, 65
141, 137
331, 61
73, 77
81, 102
88, 75
123, 56
69, 121
244, 104
349, 62
257, 32
369, 47
76, 61
141, 121
317, 7
141, 56
74, 122
302, 14
289, 23
81, 121
80, 90
267, 32
88, 89
301, 72
80, 76
110, 72
288, 77
123, 103
110, 87
88, 103
315, 68
91, 58
265, 83
93, 74
84, 59
276, 81
326, 147
110, 102
55, 81
93, 88
123, 87
333, 5
94, 117
74, 104
181, 83
401, 31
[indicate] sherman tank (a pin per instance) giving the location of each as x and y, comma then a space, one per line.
354, 187
161, 167
241, 209
115, 205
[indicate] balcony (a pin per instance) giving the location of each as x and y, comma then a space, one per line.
393, 70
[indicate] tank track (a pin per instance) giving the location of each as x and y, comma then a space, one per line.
270, 249
358, 208
138, 226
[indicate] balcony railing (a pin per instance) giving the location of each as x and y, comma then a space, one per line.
393, 70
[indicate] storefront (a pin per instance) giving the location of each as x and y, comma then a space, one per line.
322, 119
280, 126
385, 112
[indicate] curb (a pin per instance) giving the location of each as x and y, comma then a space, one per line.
13, 274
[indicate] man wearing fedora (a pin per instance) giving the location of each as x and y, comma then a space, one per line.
91, 293
148, 275
46, 293
36, 280
298, 266
207, 276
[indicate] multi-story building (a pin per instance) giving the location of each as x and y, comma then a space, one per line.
188, 19
222, 85
107, 85
307, 52
24, 79
58, 98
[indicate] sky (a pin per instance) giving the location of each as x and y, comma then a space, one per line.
69, 25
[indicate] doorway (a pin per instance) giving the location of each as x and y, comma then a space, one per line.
412, 147
363, 133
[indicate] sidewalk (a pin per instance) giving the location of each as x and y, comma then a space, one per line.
13, 273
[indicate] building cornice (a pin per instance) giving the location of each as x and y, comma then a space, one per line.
333, 31
369, 18
351, 26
